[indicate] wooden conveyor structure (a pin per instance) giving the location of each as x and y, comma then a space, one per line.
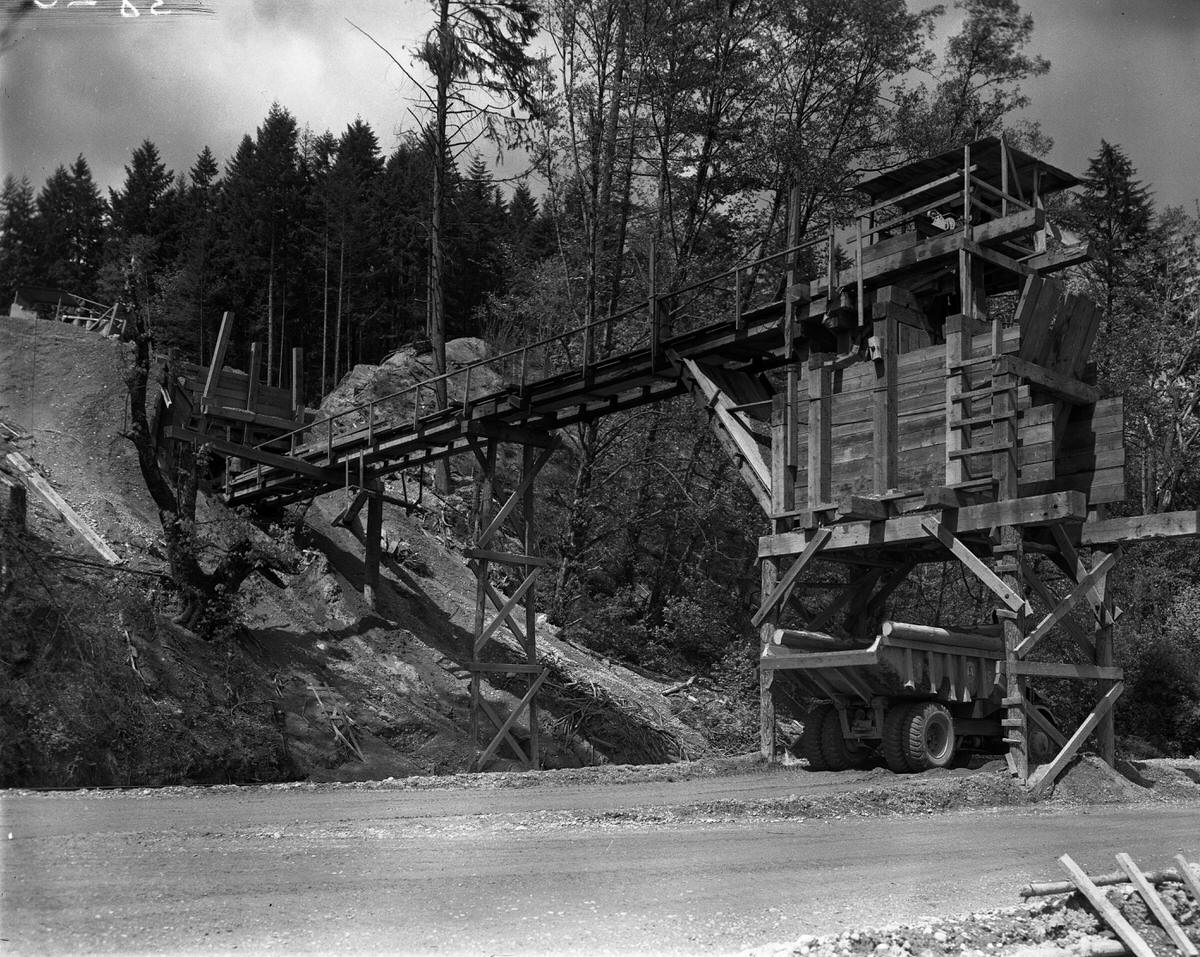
930, 402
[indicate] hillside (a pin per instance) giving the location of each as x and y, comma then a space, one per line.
99, 687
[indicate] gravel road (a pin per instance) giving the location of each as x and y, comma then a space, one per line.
517, 870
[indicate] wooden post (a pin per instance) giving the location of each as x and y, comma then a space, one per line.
766, 676
218, 360
483, 517
298, 384
884, 403
371, 538
1105, 731
528, 466
820, 431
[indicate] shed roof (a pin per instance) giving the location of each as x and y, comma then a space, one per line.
985, 153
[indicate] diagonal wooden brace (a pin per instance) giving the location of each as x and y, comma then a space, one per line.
515, 498
783, 589
505, 613
1077, 571
1050, 772
975, 566
1051, 600
498, 724
1064, 607
512, 718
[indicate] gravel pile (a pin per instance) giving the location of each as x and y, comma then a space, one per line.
1052, 927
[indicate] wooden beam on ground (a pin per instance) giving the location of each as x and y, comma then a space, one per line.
1157, 907
1113, 917
934, 529
1064, 387
32, 479
784, 587
906, 529
1067, 604
218, 360
1049, 773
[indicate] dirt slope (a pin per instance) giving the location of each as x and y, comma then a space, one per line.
323, 688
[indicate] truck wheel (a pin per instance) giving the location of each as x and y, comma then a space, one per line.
809, 747
929, 741
1041, 748
895, 736
840, 753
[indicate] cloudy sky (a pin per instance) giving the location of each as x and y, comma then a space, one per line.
87, 79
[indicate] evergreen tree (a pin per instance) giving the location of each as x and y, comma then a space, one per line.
137, 210
474, 247
18, 248
1116, 213
70, 215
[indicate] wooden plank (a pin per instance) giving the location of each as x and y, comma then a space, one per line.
859, 507
1078, 572
1063, 669
774, 658
1062, 386
34, 481
218, 361
1140, 528
511, 433
975, 565
353, 507
1039, 720
1123, 929
1050, 772
1188, 877
285, 463
277, 423
1157, 906
783, 588
1061, 258
1085, 585
1034, 510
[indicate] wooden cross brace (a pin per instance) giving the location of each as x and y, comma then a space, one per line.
508, 722
1048, 773
518, 493
505, 615
1067, 605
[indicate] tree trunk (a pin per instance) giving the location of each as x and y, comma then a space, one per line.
437, 278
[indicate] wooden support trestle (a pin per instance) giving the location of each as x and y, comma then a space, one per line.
481, 557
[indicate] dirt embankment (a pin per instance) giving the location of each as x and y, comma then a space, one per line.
321, 687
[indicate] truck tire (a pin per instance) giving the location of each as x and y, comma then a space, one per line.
809, 747
841, 754
895, 736
929, 739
